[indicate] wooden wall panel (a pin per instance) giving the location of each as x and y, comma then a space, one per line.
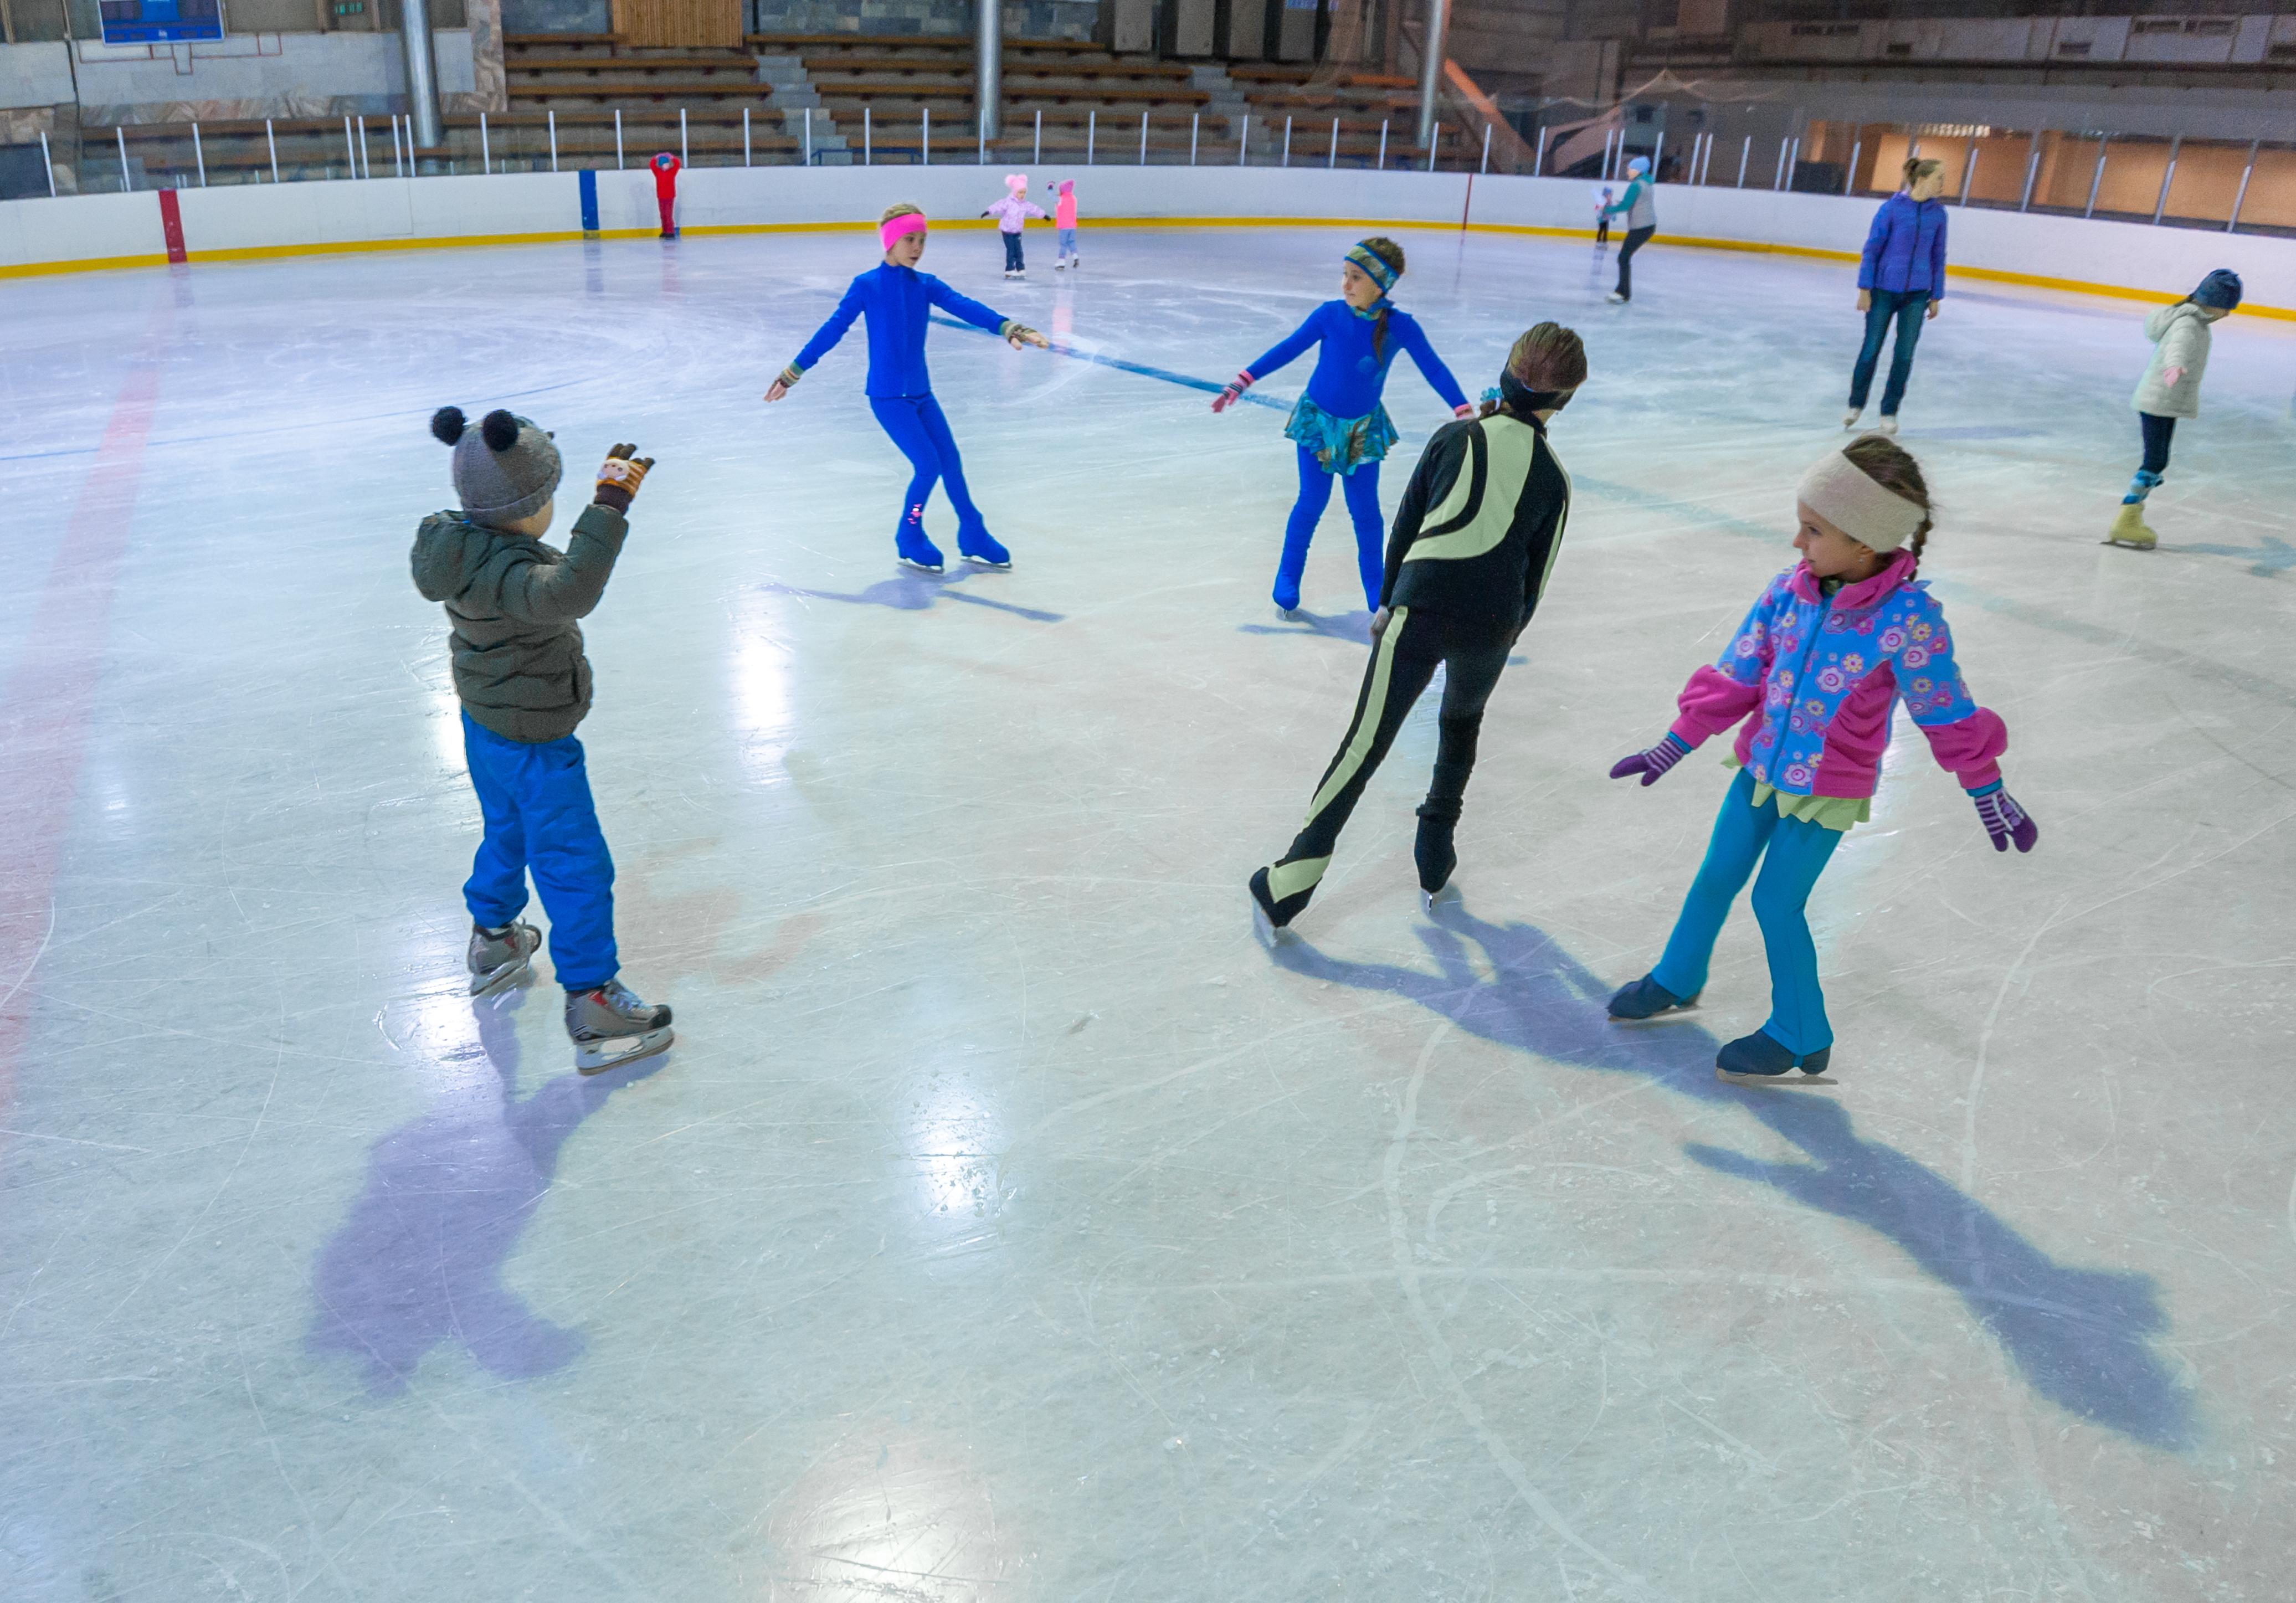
679, 24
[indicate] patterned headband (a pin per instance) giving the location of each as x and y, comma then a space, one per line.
1376, 269
1837, 490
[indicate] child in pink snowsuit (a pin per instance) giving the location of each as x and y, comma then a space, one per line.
1010, 212
1065, 221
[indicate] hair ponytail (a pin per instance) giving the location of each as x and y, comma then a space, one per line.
1392, 253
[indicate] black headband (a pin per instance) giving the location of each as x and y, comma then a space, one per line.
1514, 393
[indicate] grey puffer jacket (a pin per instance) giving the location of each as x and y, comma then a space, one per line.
2180, 338
512, 602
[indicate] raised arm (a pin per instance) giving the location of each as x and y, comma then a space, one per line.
1430, 366
825, 338
964, 307
1290, 347
551, 592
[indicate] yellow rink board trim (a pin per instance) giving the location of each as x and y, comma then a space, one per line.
477, 241
92, 263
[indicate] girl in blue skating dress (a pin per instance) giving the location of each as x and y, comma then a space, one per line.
896, 299
1339, 426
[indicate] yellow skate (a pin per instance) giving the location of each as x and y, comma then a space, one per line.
2130, 530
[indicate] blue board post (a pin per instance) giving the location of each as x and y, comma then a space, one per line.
589, 201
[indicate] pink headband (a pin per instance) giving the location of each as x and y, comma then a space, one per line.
907, 223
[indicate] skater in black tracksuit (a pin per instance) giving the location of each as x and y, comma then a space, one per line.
1468, 557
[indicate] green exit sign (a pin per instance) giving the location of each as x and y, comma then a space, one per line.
349, 8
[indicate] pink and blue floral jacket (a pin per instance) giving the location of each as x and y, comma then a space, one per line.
1825, 671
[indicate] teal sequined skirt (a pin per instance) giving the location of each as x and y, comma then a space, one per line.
1340, 444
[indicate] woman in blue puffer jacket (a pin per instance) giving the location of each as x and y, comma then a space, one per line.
1901, 278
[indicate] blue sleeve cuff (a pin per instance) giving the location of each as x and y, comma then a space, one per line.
1987, 789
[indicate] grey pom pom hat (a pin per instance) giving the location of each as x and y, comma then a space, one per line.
505, 469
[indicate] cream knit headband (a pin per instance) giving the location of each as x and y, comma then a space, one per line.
1837, 490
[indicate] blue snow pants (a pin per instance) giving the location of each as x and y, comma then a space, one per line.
916, 424
536, 801
1362, 493
1792, 853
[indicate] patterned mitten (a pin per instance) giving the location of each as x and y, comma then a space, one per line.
1235, 391
2004, 819
620, 478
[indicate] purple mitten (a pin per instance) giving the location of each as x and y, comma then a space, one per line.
2004, 819
1654, 761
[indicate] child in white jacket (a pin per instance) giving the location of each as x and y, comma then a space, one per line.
2171, 389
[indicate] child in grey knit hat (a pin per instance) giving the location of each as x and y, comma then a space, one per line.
511, 602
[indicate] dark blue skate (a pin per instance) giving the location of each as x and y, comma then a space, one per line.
1760, 1058
1645, 1000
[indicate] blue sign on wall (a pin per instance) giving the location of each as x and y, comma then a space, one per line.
161, 21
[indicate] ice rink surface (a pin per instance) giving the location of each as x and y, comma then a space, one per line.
1007, 1223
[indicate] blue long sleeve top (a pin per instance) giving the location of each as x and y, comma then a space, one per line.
1348, 377
1905, 249
896, 302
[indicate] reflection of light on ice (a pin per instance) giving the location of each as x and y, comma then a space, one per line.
446, 725
442, 1036
954, 1139
891, 1514
761, 665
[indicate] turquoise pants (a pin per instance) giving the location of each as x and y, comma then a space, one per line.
1792, 853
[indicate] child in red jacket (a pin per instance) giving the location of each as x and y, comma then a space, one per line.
665, 191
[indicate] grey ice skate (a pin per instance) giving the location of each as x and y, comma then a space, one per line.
609, 1026
499, 959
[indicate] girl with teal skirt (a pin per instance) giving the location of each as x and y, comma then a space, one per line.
1339, 426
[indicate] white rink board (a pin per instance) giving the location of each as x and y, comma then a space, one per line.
2158, 261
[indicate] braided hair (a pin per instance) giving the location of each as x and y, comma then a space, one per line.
1392, 253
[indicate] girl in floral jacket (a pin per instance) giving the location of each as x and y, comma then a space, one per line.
1829, 650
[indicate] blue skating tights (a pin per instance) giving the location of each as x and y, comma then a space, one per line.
915, 425
1792, 853
1363, 510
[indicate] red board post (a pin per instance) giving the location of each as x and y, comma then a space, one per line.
171, 224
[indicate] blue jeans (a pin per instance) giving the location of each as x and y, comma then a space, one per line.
536, 801
918, 426
1012, 262
1908, 306
1792, 853
1068, 241
1362, 493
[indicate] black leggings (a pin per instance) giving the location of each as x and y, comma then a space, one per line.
1636, 238
1472, 652
2158, 432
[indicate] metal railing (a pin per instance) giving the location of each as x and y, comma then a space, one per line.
184, 155
2244, 185
2247, 185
